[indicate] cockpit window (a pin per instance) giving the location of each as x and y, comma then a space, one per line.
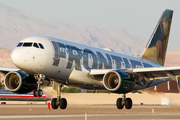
27, 44
41, 46
36, 45
20, 44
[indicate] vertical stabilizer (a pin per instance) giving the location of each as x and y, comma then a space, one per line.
155, 50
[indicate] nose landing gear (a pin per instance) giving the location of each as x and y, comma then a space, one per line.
38, 91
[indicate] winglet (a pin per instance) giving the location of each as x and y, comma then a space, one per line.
155, 50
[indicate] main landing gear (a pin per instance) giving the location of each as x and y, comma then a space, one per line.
121, 102
38, 91
61, 102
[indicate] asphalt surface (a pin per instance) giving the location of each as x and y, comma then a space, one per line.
88, 112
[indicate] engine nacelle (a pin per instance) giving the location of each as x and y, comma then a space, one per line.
118, 82
19, 82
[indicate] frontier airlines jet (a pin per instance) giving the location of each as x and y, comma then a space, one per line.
39, 58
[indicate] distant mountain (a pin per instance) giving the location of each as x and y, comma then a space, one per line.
16, 25
172, 58
5, 58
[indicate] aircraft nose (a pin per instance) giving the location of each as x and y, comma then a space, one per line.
16, 57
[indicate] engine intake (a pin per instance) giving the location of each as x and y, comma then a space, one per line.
118, 82
19, 82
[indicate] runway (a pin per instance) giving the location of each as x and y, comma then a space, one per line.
89, 112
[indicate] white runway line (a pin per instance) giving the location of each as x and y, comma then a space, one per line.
82, 115
40, 116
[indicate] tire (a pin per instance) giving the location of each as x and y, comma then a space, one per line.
35, 93
128, 103
53, 103
119, 103
63, 103
40, 93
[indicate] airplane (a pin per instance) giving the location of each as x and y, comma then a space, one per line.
63, 62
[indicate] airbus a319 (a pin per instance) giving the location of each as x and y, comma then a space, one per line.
72, 64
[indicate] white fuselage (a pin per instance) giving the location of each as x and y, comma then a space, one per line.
68, 62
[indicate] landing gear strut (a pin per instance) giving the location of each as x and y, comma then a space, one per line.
61, 102
38, 91
121, 102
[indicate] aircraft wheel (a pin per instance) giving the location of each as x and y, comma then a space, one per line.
128, 103
40, 93
53, 103
35, 93
63, 103
119, 103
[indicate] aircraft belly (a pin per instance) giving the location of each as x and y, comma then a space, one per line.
59, 73
82, 79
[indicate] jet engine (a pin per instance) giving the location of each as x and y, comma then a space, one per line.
19, 82
118, 82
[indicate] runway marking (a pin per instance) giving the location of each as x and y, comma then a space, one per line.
83, 115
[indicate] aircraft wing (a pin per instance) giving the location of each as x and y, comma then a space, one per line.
152, 72
5, 70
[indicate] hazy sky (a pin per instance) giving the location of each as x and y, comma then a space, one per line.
138, 17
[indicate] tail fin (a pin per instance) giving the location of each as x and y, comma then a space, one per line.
155, 50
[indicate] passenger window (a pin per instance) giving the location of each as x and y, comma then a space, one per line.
41, 46
36, 45
27, 44
19, 45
